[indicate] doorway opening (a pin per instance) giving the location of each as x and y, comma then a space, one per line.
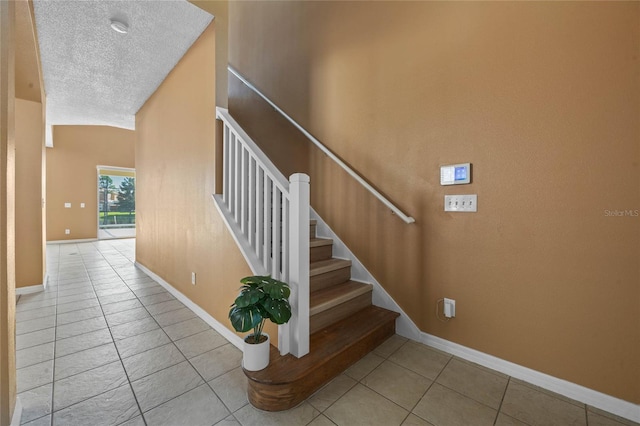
116, 202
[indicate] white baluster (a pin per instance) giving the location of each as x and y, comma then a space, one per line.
266, 260
232, 172
225, 167
285, 238
275, 240
259, 213
244, 189
237, 180
252, 202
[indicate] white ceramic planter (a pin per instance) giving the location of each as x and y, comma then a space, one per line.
256, 356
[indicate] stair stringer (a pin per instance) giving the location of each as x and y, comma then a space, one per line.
404, 325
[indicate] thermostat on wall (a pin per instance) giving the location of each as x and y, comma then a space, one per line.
455, 174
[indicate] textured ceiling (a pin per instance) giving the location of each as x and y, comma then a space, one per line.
94, 75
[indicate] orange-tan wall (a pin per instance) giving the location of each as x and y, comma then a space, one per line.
29, 201
7, 214
27, 55
72, 176
542, 97
178, 229
220, 10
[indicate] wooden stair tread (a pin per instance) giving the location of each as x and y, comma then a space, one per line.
348, 328
319, 242
325, 345
326, 298
328, 265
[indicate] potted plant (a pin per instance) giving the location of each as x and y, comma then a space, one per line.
261, 298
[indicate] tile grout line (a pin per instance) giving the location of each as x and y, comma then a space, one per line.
135, 397
387, 358
55, 343
410, 411
50, 413
188, 360
586, 415
359, 381
451, 357
434, 381
172, 342
87, 348
502, 400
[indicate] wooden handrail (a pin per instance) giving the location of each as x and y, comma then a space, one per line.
395, 209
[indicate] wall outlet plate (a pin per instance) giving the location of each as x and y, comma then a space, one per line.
449, 308
461, 203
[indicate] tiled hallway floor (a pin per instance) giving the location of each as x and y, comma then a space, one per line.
106, 345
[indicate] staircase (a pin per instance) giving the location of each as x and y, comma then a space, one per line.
334, 323
344, 327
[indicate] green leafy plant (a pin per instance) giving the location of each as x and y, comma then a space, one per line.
261, 298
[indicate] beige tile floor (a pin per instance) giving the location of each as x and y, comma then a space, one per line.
106, 345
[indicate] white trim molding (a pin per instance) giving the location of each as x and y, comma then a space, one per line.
571, 390
85, 240
33, 288
407, 328
233, 338
30, 289
17, 413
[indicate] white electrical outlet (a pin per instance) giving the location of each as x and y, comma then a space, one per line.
82, 205
67, 231
193, 278
67, 205
461, 203
449, 308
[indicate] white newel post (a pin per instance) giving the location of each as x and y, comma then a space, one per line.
298, 326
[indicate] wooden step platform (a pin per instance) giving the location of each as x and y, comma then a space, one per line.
288, 380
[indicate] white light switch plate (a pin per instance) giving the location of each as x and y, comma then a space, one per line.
67, 205
461, 203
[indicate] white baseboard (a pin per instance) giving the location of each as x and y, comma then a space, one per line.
85, 240
585, 395
17, 413
233, 338
30, 289
407, 328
